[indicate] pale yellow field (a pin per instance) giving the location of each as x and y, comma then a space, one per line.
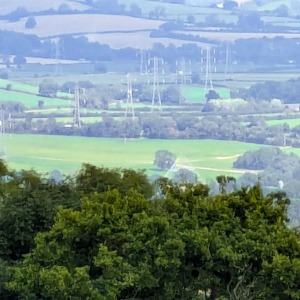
80, 24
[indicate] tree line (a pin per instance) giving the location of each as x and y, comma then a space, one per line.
173, 126
262, 51
110, 234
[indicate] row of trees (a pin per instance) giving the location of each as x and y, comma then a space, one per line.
288, 91
259, 51
109, 234
180, 126
276, 170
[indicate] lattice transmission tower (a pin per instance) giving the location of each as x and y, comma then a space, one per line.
76, 115
2, 133
157, 69
208, 66
129, 110
183, 73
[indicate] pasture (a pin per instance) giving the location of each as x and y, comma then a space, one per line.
291, 122
66, 153
196, 94
31, 101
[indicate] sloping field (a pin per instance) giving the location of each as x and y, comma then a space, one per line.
65, 153
8, 6
17, 86
30, 101
56, 25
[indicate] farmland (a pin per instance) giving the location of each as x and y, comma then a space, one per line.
46, 153
73, 24
120, 32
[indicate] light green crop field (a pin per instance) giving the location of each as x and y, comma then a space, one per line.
30, 101
291, 122
196, 94
18, 86
65, 153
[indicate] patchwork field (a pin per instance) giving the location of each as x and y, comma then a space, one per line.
45, 153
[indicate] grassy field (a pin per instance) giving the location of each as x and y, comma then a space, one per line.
31, 101
196, 94
291, 122
45, 153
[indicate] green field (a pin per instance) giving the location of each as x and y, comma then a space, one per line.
196, 94
65, 153
30, 101
291, 122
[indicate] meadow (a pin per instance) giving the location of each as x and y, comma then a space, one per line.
31, 101
66, 153
291, 122
196, 94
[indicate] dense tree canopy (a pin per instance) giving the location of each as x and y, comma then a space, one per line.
103, 235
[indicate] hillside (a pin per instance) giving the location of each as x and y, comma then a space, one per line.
8, 6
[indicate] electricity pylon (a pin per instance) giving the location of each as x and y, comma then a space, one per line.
129, 110
157, 63
183, 74
207, 62
76, 117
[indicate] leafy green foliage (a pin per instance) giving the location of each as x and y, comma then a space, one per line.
100, 237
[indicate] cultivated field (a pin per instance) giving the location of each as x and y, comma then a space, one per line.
45, 153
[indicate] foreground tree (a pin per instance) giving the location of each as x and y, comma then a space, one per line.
123, 246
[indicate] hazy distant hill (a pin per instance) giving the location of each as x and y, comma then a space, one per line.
133, 24
7, 6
